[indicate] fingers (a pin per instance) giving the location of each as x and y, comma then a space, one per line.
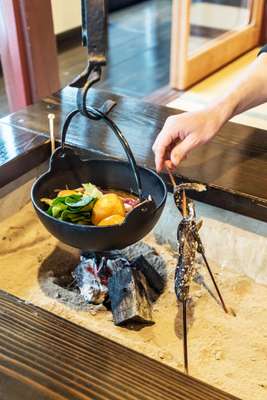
159, 157
181, 134
169, 165
162, 143
181, 150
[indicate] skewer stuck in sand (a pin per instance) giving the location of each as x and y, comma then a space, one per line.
189, 244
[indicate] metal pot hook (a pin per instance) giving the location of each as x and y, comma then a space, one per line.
101, 114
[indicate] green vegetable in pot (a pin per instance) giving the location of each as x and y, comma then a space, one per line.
57, 209
91, 190
74, 207
82, 202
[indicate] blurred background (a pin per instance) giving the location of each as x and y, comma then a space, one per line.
147, 40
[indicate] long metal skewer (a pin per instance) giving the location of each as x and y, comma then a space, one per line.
202, 252
214, 283
184, 303
185, 347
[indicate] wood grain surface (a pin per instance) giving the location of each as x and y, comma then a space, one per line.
45, 357
232, 164
20, 151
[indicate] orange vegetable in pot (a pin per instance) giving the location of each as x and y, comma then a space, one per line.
66, 192
112, 220
109, 204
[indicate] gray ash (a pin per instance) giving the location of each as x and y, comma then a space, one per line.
85, 287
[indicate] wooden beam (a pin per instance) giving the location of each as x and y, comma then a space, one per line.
28, 51
41, 49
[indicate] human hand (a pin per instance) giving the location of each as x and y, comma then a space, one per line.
182, 133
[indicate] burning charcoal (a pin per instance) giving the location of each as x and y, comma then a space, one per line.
89, 283
93, 273
128, 294
155, 280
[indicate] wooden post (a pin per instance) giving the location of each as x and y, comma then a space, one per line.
187, 69
264, 25
28, 51
180, 32
13, 57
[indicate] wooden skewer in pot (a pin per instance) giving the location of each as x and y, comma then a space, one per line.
51, 118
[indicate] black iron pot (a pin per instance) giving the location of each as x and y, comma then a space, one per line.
67, 169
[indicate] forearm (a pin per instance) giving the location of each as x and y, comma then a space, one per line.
249, 91
182, 133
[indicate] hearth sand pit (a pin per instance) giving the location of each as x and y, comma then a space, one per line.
226, 352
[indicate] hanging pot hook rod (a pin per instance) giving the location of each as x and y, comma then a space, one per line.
94, 37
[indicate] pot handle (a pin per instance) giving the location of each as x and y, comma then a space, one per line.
101, 114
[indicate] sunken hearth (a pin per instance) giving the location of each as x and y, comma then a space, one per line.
226, 352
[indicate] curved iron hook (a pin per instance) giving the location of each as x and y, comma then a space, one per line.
99, 115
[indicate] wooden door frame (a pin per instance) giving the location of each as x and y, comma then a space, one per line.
188, 69
28, 51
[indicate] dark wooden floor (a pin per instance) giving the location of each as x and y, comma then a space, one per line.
45, 357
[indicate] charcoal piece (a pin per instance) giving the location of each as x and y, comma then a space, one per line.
116, 264
155, 280
150, 254
128, 293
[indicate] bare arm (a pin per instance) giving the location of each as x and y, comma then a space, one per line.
249, 91
182, 133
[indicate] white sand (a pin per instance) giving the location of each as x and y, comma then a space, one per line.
226, 352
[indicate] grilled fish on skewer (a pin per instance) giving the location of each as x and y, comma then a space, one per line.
187, 234
189, 244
